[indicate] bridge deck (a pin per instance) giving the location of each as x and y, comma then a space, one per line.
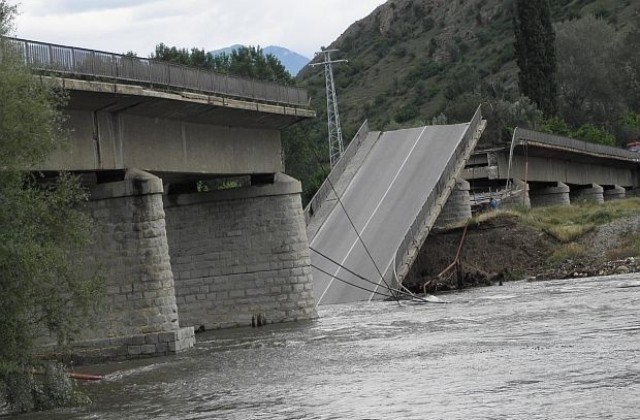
392, 197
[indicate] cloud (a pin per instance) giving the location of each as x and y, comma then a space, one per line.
43, 7
139, 25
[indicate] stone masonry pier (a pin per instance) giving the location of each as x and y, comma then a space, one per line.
130, 250
240, 253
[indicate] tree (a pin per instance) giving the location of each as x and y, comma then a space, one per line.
42, 233
627, 64
535, 53
588, 93
248, 62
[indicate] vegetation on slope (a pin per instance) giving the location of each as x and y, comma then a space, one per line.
416, 62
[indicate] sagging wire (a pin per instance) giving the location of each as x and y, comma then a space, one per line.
390, 289
351, 284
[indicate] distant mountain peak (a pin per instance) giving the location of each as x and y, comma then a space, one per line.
291, 60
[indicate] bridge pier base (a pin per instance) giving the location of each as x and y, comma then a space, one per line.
457, 209
520, 198
240, 253
140, 315
614, 192
555, 195
592, 193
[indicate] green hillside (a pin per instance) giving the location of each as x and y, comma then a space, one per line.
411, 61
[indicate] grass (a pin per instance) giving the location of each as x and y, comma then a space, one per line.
629, 246
570, 251
569, 223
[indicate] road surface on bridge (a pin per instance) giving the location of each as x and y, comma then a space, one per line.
382, 200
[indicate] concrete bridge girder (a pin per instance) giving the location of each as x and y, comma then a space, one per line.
118, 126
107, 141
550, 169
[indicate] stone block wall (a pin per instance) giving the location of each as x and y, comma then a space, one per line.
240, 253
130, 251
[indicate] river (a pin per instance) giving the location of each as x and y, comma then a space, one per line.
565, 349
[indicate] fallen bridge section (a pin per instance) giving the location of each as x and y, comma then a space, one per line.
391, 188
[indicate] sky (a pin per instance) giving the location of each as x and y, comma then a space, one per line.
119, 26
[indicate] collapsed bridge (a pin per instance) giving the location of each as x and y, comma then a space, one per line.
369, 219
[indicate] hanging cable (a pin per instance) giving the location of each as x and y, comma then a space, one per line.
349, 283
359, 237
390, 289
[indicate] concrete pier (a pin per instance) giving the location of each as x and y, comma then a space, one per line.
457, 209
555, 195
520, 197
614, 192
592, 193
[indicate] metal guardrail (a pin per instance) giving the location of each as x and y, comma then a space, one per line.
337, 171
418, 224
74, 61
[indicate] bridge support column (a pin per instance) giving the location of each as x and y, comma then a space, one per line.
593, 193
130, 250
520, 196
614, 192
555, 195
240, 253
457, 209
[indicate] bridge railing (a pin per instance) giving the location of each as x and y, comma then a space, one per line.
334, 175
524, 136
99, 64
414, 236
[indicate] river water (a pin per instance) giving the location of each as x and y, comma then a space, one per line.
544, 350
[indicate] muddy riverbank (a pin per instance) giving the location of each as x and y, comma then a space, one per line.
505, 248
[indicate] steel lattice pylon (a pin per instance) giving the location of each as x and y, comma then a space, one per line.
336, 146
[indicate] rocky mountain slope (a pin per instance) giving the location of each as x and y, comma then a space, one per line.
411, 60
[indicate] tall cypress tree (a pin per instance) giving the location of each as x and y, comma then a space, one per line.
535, 53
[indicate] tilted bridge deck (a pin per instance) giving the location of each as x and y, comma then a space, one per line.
392, 189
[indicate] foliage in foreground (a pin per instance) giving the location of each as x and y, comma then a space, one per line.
43, 232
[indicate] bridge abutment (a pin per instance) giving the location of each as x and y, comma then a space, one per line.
240, 253
554, 195
592, 193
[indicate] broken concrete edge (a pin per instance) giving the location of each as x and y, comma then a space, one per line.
162, 343
282, 185
136, 183
406, 257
